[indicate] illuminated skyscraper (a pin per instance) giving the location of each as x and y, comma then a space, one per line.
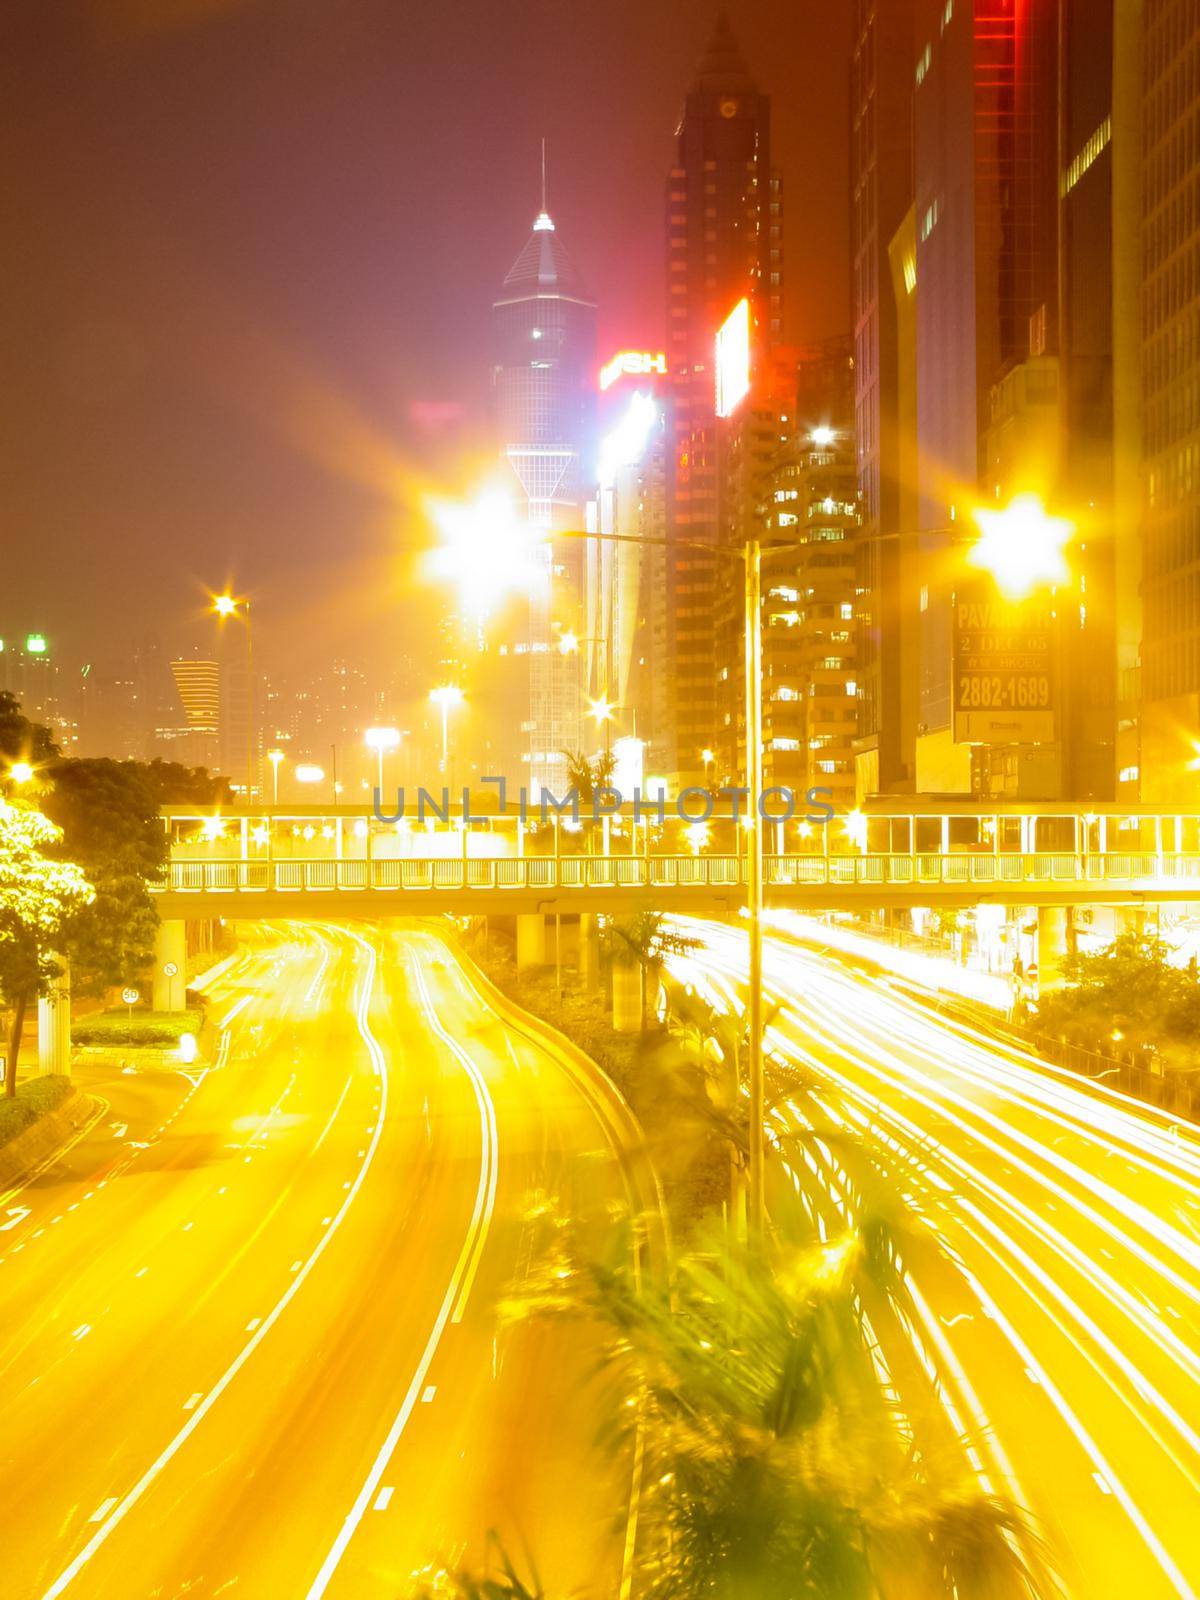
1170, 374
543, 381
724, 242
881, 177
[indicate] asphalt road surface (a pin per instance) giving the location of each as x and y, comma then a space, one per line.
1051, 1244
250, 1342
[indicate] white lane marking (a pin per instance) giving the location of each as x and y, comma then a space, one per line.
141, 1272
103, 1509
193, 1400
240, 1006
14, 1214
252, 1324
428, 1394
123, 1507
485, 1196
383, 1499
82, 1331
1102, 1483
488, 1133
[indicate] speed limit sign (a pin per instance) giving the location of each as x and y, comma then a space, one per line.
130, 996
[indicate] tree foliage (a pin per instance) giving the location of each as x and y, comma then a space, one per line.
40, 897
774, 1465
1131, 989
173, 784
109, 816
20, 739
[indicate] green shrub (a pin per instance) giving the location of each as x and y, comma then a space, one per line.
147, 1028
34, 1098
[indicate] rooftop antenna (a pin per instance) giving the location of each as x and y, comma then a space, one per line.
543, 223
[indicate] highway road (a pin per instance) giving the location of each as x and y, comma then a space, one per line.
1050, 1242
249, 1338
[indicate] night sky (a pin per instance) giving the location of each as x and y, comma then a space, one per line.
249, 252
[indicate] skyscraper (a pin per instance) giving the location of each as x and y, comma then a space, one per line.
986, 300
724, 243
881, 175
544, 326
1170, 362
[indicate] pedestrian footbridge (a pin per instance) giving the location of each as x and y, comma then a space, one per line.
313, 861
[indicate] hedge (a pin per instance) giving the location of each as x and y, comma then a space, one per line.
34, 1098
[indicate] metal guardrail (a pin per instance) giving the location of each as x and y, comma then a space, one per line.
653, 872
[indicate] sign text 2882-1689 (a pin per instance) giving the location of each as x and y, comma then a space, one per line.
1003, 670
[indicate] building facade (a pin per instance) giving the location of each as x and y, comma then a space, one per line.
724, 243
543, 387
1170, 393
882, 189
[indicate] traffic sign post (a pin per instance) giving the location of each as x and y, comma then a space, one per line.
131, 998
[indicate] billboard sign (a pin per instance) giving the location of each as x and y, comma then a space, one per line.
1004, 667
733, 359
633, 363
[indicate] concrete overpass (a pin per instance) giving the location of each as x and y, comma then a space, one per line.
322, 862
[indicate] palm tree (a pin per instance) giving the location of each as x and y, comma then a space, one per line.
775, 1468
645, 940
588, 776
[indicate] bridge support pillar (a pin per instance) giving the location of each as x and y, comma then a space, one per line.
54, 1026
531, 941
170, 965
627, 993
589, 951
1055, 942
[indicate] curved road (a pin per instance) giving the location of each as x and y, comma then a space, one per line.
248, 1330
1052, 1251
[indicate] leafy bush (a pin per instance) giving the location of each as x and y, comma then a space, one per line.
35, 1097
149, 1028
1129, 993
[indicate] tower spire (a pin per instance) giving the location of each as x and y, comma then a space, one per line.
543, 223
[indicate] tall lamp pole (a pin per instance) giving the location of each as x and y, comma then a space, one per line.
754, 881
224, 605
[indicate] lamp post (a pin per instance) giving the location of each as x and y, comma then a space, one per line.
381, 740
275, 757
447, 695
1012, 548
225, 606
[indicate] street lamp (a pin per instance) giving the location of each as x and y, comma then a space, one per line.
380, 740
224, 607
309, 772
275, 757
1022, 547
447, 695
20, 772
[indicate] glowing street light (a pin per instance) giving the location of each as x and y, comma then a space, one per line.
568, 643
224, 606
275, 757
487, 550
601, 710
447, 695
1022, 547
381, 740
708, 757
20, 772
309, 772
